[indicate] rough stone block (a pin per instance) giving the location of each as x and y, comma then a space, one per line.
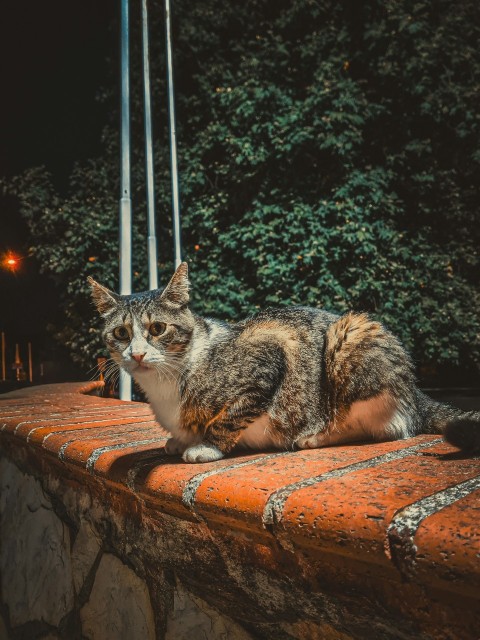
36, 574
85, 551
192, 618
119, 607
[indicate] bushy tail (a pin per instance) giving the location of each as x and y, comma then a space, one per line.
460, 428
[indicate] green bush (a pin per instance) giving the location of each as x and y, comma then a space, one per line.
329, 155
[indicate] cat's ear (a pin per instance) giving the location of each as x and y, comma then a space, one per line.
176, 290
104, 299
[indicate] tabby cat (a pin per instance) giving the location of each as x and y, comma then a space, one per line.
286, 378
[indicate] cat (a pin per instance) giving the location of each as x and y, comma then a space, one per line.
295, 377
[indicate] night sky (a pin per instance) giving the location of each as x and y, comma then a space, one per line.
54, 60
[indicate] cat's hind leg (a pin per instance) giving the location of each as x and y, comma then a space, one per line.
317, 440
368, 382
365, 420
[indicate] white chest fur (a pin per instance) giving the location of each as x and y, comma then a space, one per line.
164, 398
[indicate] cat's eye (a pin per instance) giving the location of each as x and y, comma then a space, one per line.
157, 328
121, 333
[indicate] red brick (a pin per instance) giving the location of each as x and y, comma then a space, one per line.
241, 494
350, 515
81, 448
37, 433
448, 546
353, 503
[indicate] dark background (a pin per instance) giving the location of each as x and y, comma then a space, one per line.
54, 59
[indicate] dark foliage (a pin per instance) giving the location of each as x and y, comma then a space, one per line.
329, 156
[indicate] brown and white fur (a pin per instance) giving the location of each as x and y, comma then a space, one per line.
284, 378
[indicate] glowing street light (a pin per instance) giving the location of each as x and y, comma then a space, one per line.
11, 261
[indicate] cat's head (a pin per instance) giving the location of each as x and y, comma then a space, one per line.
147, 333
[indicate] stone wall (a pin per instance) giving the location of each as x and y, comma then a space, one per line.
61, 579
103, 536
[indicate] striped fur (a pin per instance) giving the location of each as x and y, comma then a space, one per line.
292, 377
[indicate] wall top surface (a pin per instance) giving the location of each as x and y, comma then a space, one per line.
409, 506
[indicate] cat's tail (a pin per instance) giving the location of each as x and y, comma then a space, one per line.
460, 428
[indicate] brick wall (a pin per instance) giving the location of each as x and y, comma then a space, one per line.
104, 536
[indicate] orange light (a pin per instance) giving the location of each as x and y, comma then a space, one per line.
11, 261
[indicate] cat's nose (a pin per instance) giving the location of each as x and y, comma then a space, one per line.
138, 356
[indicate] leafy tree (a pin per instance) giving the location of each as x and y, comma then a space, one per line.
329, 155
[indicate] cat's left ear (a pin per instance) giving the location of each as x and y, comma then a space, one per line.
177, 289
104, 299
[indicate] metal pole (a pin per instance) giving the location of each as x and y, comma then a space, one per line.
173, 140
18, 363
4, 369
30, 364
152, 240
125, 199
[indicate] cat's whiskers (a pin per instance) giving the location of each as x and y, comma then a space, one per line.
105, 368
115, 379
171, 360
94, 372
112, 366
166, 370
174, 366
165, 376
111, 373
171, 369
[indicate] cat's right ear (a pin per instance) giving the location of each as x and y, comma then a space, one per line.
176, 290
104, 299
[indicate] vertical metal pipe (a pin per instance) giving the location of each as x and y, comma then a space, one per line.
30, 362
4, 369
152, 240
18, 363
125, 199
173, 140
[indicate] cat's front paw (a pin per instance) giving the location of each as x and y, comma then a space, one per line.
202, 453
174, 447
312, 441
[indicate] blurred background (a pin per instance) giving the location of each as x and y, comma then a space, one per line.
328, 152
54, 59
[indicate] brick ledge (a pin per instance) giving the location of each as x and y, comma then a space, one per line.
406, 507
